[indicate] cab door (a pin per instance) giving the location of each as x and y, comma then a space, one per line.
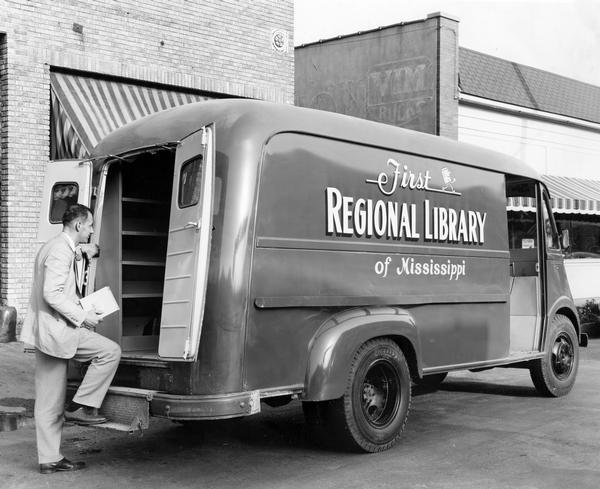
188, 247
525, 247
67, 182
556, 282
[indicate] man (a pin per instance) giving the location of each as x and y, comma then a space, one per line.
60, 329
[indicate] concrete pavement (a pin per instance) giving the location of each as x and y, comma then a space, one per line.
484, 430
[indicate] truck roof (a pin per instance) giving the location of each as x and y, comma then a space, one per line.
264, 119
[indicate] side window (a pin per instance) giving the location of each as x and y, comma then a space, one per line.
64, 194
550, 232
190, 183
522, 214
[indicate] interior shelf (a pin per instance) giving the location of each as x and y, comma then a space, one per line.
139, 200
140, 325
146, 258
141, 289
137, 343
142, 206
134, 226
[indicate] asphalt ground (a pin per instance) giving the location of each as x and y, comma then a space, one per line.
478, 430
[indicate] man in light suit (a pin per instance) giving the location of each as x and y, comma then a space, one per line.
60, 329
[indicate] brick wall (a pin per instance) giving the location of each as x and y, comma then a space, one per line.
448, 75
221, 47
3, 166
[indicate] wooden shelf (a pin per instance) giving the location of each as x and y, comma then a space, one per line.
139, 343
142, 258
139, 289
139, 206
133, 226
139, 200
142, 233
140, 325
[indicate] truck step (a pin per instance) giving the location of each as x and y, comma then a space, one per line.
127, 409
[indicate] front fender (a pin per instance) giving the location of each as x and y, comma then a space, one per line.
332, 348
564, 305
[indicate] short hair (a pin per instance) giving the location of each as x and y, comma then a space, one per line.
76, 211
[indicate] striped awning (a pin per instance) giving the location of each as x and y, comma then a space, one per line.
85, 109
568, 195
571, 195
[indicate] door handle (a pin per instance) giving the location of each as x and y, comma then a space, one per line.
192, 224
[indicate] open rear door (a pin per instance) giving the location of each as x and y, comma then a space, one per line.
188, 248
66, 182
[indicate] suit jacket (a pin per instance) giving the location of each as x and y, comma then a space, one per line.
54, 312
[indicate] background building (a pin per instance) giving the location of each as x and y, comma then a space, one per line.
404, 74
547, 120
71, 72
553, 123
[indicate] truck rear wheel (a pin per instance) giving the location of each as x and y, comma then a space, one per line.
554, 375
371, 414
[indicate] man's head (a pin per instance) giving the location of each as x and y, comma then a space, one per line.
78, 221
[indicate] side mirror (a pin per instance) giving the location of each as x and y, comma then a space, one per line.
564, 239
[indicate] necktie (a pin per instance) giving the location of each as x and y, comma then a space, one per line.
77, 263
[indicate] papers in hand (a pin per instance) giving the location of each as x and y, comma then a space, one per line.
102, 300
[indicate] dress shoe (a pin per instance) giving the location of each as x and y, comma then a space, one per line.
63, 465
85, 416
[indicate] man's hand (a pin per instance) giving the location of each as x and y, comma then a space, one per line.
92, 318
90, 250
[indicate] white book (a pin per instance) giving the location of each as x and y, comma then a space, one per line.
102, 300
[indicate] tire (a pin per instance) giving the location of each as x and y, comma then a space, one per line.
433, 380
554, 375
371, 414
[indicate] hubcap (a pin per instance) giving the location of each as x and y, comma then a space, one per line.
380, 394
562, 356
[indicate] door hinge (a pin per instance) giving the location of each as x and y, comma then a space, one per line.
537, 267
204, 136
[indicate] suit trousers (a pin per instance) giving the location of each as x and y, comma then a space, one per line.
51, 385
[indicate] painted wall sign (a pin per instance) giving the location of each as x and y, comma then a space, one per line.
387, 76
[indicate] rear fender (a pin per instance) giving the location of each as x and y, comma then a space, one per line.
332, 348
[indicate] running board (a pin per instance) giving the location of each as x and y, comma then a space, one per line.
513, 357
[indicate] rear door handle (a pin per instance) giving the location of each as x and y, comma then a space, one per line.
192, 224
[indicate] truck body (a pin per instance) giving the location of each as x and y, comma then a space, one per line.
261, 252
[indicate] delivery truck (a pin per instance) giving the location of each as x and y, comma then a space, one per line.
263, 253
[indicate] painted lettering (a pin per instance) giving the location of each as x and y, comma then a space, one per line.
334, 203
402, 177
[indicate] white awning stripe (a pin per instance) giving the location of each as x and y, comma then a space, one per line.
95, 107
568, 195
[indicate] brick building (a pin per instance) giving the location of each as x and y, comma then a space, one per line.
70, 72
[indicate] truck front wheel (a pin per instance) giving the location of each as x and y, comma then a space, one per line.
371, 414
554, 375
